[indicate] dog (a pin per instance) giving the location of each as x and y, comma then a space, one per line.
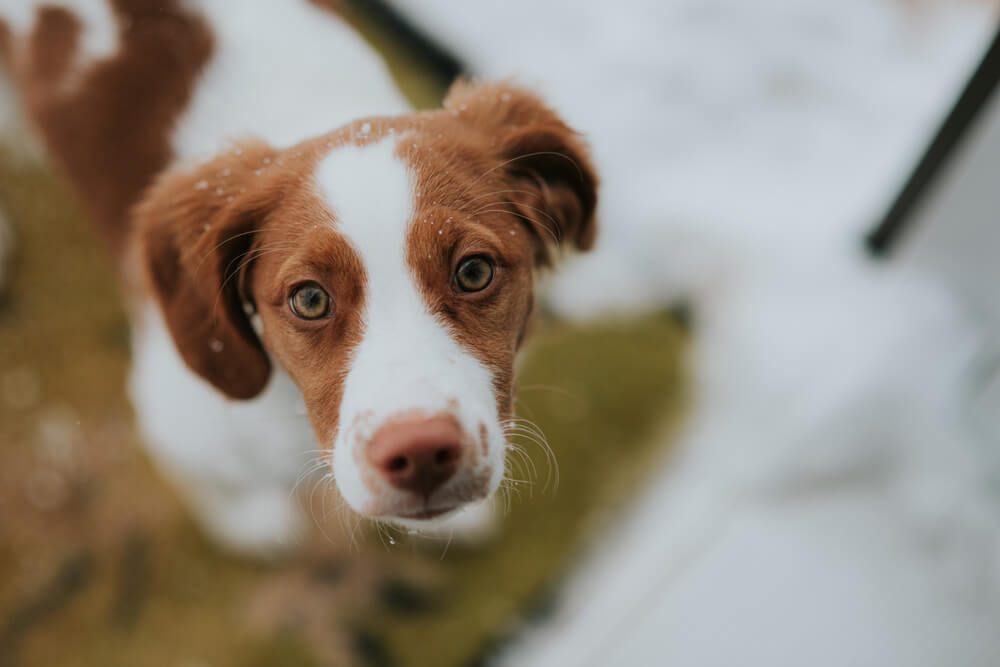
295, 241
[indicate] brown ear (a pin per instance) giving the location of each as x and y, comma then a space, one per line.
195, 231
553, 184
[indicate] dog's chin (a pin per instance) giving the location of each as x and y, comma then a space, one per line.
424, 514
469, 521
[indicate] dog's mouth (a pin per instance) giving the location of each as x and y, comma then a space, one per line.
458, 494
425, 514
428, 511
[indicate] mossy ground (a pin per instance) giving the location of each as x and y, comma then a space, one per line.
101, 567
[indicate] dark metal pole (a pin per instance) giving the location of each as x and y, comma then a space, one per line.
886, 236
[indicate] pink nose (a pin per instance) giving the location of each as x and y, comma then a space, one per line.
417, 455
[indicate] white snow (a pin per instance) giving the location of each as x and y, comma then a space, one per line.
831, 505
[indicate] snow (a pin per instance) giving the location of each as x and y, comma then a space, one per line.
832, 504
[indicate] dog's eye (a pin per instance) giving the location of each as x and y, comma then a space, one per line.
474, 274
310, 301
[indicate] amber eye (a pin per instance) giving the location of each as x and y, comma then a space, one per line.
310, 301
474, 274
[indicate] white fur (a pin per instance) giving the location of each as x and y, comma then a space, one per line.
235, 461
472, 523
407, 359
305, 74
283, 72
17, 136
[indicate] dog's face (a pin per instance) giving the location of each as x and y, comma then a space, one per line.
388, 268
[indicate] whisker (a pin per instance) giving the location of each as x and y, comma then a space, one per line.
307, 472
531, 432
381, 537
498, 192
246, 259
527, 219
324, 483
579, 172
211, 252
555, 225
526, 463
451, 535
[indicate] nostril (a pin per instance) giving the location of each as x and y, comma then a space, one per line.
445, 455
417, 455
398, 464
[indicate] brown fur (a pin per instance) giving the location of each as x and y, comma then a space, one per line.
501, 176
497, 175
193, 235
107, 125
488, 186
246, 228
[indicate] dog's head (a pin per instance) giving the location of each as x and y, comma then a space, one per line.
388, 268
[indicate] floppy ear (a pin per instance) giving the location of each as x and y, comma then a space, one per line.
552, 182
194, 231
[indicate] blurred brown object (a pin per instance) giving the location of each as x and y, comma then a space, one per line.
6, 251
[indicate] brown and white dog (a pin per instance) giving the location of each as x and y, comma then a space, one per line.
295, 240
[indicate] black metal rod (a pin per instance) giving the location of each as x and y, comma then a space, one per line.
886, 236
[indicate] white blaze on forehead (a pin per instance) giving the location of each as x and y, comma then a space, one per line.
407, 360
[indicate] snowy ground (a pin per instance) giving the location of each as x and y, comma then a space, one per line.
830, 506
